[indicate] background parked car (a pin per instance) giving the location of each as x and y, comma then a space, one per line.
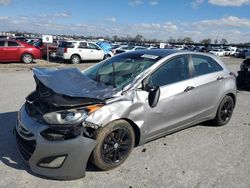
129, 48
227, 52
106, 48
243, 79
242, 53
52, 48
75, 51
16, 51
218, 52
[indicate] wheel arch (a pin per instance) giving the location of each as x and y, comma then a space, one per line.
76, 55
136, 129
233, 97
26, 53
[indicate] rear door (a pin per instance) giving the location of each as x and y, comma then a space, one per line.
84, 51
12, 51
2, 56
209, 84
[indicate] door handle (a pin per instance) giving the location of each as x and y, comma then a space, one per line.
189, 88
220, 78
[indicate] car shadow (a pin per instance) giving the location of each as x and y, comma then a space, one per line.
8, 153
61, 61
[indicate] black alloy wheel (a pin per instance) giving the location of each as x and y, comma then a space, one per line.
115, 142
116, 146
225, 111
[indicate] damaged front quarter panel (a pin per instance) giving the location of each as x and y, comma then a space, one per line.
129, 106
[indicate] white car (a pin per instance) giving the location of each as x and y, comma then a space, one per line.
77, 51
217, 52
129, 48
232, 50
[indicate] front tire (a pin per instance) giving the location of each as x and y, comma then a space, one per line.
27, 58
114, 144
75, 59
225, 111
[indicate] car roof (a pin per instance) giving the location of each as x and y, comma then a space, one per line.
157, 52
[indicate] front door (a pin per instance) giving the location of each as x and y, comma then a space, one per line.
96, 52
176, 103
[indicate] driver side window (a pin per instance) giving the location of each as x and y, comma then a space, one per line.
173, 71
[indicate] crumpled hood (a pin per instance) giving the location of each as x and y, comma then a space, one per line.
72, 82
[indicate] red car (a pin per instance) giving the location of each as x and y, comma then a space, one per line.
17, 51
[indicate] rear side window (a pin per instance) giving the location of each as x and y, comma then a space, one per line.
205, 65
12, 43
2, 43
67, 44
83, 45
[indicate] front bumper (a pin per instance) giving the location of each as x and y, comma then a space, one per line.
33, 147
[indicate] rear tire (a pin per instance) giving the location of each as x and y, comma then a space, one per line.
225, 111
114, 144
75, 59
27, 58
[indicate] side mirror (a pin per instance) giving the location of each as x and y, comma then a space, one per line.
154, 92
153, 97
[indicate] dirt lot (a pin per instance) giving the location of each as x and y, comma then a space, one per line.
10, 67
201, 156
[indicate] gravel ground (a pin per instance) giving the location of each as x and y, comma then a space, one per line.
201, 156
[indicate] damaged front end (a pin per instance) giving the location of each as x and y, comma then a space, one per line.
64, 115
52, 131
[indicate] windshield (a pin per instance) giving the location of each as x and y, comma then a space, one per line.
121, 70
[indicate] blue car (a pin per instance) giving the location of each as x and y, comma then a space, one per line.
106, 48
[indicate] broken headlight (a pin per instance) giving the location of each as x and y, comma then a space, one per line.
70, 117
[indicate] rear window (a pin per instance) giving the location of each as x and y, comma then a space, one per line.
67, 44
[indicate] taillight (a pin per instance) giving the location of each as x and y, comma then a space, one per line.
65, 50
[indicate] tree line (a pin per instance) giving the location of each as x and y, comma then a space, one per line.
140, 39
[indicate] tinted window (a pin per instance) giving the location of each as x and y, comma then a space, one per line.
64, 44
11, 43
204, 65
83, 45
173, 71
2, 43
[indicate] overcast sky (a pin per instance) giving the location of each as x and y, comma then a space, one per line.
159, 19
